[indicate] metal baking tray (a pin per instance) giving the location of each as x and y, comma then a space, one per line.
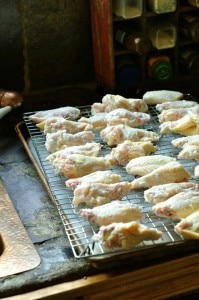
79, 231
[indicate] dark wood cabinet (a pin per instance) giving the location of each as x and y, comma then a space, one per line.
107, 50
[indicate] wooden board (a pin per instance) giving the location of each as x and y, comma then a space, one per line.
17, 252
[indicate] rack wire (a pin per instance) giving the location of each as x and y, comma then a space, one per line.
79, 231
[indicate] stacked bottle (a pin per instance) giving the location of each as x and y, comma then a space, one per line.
190, 26
190, 61
133, 41
160, 68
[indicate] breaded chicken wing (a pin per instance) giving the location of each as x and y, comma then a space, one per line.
97, 193
174, 114
178, 206
77, 165
107, 176
160, 96
114, 135
115, 211
144, 165
168, 173
162, 192
110, 102
187, 125
189, 226
128, 150
125, 235
176, 104
189, 152
61, 139
58, 123
182, 141
68, 112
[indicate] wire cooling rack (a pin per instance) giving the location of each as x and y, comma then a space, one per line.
79, 231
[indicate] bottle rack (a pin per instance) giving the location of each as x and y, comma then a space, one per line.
106, 50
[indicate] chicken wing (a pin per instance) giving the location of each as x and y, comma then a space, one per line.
61, 139
180, 142
189, 227
125, 235
189, 152
144, 165
168, 173
114, 135
160, 96
128, 150
176, 104
115, 211
196, 171
187, 125
162, 192
99, 176
97, 193
178, 206
90, 149
174, 114
67, 112
110, 102
97, 121
124, 116
59, 123
77, 165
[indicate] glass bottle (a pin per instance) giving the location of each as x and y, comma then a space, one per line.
127, 74
162, 6
133, 41
162, 35
190, 60
127, 8
194, 3
160, 68
189, 26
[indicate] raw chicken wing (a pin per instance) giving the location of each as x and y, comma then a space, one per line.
191, 140
90, 149
189, 152
58, 123
110, 102
115, 211
98, 121
128, 150
99, 176
174, 114
162, 192
168, 173
124, 116
160, 96
68, 112
189, 227
144, 165
61, 139
77, 165
176, 104
187, 125
178, 206
125, 235
114, 135
196, 171
97, 193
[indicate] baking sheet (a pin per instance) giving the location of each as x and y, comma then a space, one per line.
79, 231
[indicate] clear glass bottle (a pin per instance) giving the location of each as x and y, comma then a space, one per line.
189, 26
190, 60
134, 41
160, 68
127, 8
162, 6
162, 35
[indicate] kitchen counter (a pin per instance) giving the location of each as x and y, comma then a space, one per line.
59, 273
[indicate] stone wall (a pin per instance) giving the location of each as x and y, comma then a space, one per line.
45, 44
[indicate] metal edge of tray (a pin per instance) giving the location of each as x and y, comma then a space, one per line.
105, 261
